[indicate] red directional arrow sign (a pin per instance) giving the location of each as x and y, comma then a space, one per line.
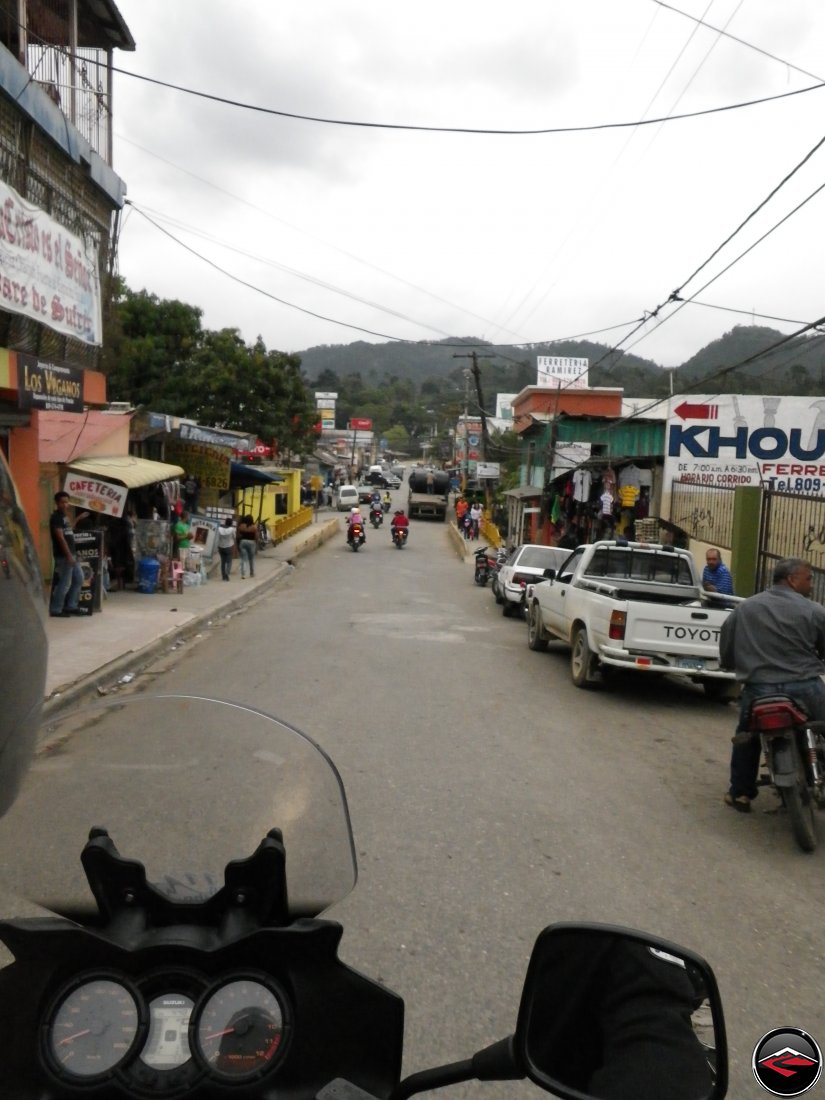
697, 412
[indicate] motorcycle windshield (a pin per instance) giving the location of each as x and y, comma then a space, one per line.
184, 785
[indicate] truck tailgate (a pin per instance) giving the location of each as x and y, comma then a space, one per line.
682, 631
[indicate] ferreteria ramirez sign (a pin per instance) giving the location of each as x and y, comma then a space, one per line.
48, 386
730, 440
555, 370
47, 273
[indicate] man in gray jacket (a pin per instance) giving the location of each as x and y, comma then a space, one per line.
775, 641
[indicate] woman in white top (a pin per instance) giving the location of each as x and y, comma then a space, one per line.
226, 546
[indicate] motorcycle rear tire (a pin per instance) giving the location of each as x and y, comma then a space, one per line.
481, 580
800, 807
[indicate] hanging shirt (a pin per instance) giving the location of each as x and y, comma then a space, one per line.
581, 485
627, 496
607, 504
629, 475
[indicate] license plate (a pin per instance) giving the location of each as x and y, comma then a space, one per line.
690, 662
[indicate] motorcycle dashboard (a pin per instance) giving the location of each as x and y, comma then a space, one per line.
165, 1031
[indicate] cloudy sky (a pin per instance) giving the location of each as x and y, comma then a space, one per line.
508, 237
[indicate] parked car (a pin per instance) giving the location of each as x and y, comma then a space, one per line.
347, 498
525, 565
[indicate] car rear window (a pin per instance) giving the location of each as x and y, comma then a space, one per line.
640, 565
537, 557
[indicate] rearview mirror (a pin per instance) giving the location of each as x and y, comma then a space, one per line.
614, 1014
549, 574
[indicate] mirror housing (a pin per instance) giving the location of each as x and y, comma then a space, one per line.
549, 574
611, 1012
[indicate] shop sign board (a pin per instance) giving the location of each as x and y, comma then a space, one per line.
324, 395
49, 275
48, 386
730, 440
197, 433
325, 403
95, 494
488, 469
210, 465
555, 370
204, 535
361, 424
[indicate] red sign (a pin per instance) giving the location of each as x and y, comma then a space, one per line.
260, 450
361, 424
696, 412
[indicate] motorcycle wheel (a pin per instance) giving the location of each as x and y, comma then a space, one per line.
481, 578
800, 807
355, 544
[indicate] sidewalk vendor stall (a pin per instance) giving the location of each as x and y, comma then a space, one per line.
128, 497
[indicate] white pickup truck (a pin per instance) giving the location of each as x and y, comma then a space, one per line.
630, 605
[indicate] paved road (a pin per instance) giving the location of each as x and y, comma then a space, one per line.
489, 797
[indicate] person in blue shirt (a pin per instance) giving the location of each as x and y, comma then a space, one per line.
716, 575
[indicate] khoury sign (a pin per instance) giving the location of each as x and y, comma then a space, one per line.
96, 495
47, 273
730, 440
48, 385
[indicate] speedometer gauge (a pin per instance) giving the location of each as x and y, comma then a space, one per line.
92, 1027
239, 1028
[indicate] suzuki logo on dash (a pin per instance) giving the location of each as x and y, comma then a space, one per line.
787, 1062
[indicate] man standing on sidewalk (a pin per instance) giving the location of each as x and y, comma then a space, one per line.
69, 575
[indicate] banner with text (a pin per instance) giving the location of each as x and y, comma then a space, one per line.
94, 494
731, 439
47, 273
562, 370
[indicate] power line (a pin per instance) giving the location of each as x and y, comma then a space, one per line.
463, 129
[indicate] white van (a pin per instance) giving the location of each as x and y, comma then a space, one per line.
347, 498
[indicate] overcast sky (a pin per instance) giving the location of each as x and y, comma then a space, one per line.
510, 238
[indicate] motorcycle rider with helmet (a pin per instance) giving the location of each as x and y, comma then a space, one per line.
399, 522
356, 519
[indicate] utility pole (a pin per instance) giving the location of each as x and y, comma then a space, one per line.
475, 371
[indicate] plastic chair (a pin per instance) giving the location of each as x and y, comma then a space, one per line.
176, 576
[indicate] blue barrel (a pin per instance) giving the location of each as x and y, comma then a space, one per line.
148, 571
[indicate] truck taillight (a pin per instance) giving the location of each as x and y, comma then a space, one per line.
618, 622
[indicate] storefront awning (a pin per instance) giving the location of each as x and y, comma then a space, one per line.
244, 477
128, 470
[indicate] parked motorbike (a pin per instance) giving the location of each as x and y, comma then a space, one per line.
794, 750
399, 537
356, 537
196, 973
376, 515
485, 564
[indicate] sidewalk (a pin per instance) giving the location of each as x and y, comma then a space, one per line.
88, 655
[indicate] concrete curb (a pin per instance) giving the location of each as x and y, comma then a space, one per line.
92, 685
460, 544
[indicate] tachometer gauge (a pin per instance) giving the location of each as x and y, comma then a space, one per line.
92, 1028
239, 1029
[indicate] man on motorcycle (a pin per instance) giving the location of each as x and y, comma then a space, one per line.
399, 523
387, 500
775, 641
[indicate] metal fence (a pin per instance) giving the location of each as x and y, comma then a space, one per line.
792, 526
705, 512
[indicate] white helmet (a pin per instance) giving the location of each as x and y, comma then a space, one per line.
354, 510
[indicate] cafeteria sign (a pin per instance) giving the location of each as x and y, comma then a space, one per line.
96, 495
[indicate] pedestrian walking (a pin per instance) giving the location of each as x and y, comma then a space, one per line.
247, 545
476, 512
227, 536
68, 573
